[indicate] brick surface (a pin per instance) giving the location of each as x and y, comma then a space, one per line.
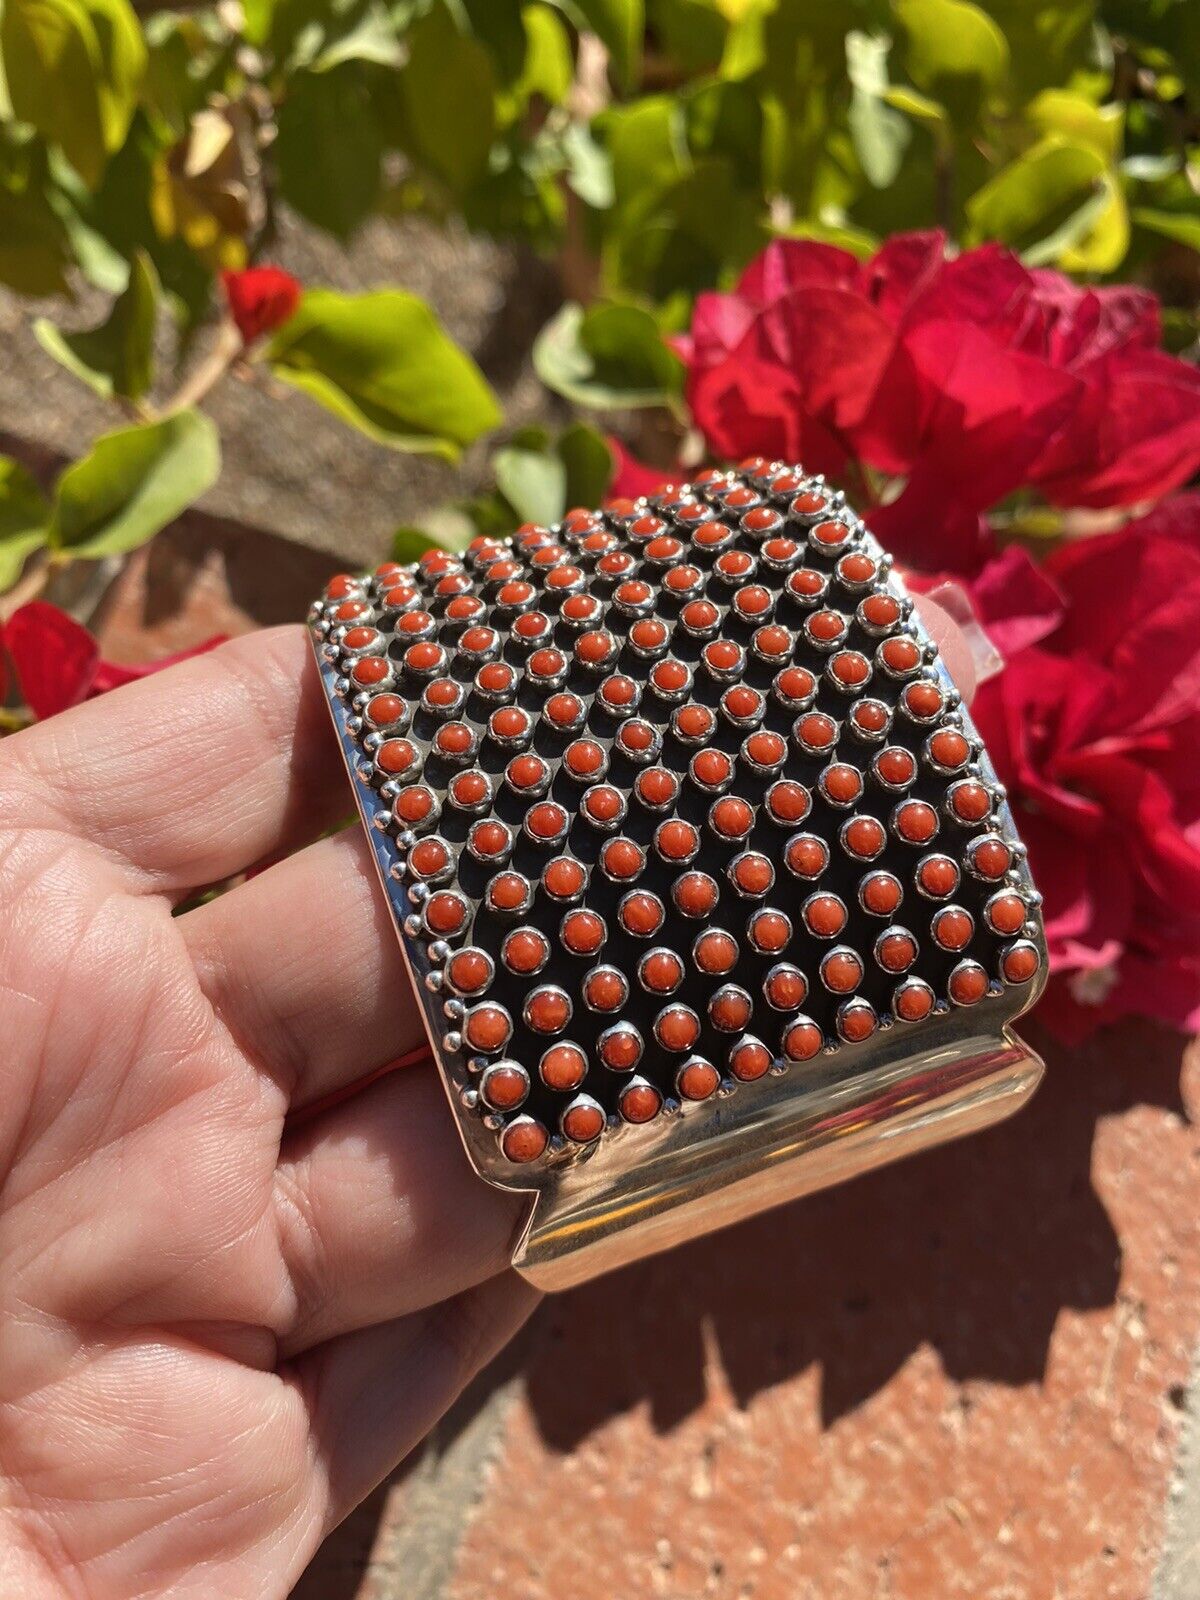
960, 1377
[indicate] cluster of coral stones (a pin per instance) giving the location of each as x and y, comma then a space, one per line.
678, 798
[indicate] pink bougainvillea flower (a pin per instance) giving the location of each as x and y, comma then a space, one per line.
58, 662
1094, 728
959, 380
261, 299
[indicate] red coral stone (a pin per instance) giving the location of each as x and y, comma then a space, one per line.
510, 722
605, 989
563, 1067
584, 758
807, 856
952, 928
969, 801
753, 874
1020, 963
453, 739
697, 1080
816, 731
990, 857
923, 700
1006, 913
622, 859
661, 971
767, 750
694, 894
620, 1048
723, 655
676, 840
583, 1123
469, 789
730, 1010
564, 710
880, 610
864, 837
871, 716
938, 876
395, 756
788, 802
711, 768
526, 772
677, 1028
742, 703
414, 805
546, 820
428, 858
488, 1028
913, 1000
504, 1086
715, 952
525, 950
841, 783
547, 1010
896, 950
731, 817
769, 931
880, 894
563, 878
749, 1061
824, 915
895, 766
785, 988
583, 932
968, 983
851, 668
916, 822
649, 634
524, 1140
857, 1021
841, 971
370, 670
802, 1041
656, 786
469, 971
641, 914
639, 1102
508, 891
949, 749
826, 626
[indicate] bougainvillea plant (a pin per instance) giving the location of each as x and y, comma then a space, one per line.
980, 410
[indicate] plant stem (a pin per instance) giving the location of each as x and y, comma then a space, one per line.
225, 351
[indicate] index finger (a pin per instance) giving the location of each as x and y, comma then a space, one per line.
190, 775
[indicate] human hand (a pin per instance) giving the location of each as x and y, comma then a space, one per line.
218, 1329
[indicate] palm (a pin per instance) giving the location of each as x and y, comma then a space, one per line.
217, 1329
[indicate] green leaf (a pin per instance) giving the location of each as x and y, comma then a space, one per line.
620, 24
132, 483
1028, 201
956, 53
612, 354
24, 513
534, 482
383, 363
1076, 118
449, 91
117, 358
881, 134
33, 241
329, 149
443, 528
73, 69
589, 462
1175, 225
589, 169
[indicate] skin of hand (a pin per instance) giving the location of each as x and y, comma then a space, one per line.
222, 1322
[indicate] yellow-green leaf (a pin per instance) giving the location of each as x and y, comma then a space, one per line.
132, 483
24, 514
73, 69
956, 53
116, 358
383, 363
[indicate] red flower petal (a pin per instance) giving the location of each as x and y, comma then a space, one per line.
55, 657
261, 299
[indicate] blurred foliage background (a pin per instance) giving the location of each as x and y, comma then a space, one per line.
646, 148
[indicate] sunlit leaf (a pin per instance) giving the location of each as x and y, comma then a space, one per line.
132, 483
73, 69
116, 358
609, 355
383, 363
24, 514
